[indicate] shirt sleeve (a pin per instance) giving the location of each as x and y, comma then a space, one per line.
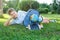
12, 22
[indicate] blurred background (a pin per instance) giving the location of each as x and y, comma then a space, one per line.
47, 8
43, 6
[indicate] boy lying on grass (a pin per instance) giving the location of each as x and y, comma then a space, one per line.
15, 17
19, 17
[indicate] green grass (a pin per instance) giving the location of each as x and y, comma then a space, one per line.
50, 31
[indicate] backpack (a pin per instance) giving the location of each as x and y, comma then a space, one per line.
27, 18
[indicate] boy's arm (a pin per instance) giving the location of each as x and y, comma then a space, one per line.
8, 22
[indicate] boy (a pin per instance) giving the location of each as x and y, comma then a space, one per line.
15, 17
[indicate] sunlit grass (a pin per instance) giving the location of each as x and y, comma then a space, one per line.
6, 16
2, 20
52, 16
50, 31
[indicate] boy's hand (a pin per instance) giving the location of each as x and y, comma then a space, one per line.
10, 18
8, 21
13, 17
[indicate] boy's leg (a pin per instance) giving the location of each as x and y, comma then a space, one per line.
40, 25
40, 22
45, 21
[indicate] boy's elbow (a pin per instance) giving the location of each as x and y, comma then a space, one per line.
5, 24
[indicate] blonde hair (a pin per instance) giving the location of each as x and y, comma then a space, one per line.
10, 10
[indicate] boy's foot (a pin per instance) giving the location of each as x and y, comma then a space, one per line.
52, 20
28, 27
40, 26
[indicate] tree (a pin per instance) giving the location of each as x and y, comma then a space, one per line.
25, 5
13, 4
44, 8
1, 8
58, 9
10, 4
54, 6
34, 5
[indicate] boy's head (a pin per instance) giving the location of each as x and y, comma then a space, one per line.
12, 12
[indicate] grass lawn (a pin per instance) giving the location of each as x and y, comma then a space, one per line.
50, 31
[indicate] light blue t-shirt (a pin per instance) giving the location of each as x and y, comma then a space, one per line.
20, 18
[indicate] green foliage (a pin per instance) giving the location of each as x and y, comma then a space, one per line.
43, 10
1, 16
54, 7
11, 4
52, 11
25, 5
5, 9
44, 5
34, 5
58, 9
28, 4
50, 31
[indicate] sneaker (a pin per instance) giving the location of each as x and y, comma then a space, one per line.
52, 20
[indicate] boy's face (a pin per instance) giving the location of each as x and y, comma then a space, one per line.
13, 14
